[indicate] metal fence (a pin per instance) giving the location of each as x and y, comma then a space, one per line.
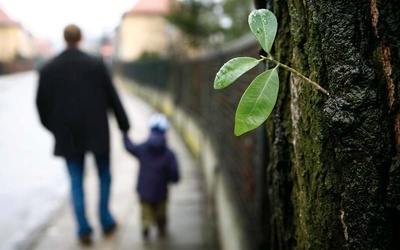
241, 159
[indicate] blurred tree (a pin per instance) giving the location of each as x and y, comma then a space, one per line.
196, 19
333, 174
209, 22
236, 12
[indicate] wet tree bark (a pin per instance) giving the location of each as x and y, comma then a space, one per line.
333, 177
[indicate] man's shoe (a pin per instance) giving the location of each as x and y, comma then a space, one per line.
110, 230
86, 238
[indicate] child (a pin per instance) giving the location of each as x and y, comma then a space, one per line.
158, 168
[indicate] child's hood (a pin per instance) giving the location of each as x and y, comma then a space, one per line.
157, 141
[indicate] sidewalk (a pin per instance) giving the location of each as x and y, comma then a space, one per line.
186, 220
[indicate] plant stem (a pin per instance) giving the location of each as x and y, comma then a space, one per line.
316, 85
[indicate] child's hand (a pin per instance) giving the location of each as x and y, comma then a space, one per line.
129, 145
125, 137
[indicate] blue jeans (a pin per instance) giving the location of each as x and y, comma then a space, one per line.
76, 171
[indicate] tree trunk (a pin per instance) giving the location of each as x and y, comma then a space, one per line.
333, 180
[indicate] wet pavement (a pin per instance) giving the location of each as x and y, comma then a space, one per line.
25, 146
32, 181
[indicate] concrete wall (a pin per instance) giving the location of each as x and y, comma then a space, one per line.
227, 225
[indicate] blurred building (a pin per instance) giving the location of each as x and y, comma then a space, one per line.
43, 47
145, 32
17, 48
44, 51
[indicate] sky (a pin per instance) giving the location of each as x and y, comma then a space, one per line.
47, 18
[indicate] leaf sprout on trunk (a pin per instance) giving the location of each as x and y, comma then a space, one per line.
298, 74
259, 99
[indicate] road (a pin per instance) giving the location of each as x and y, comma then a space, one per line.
36, 213
32, 180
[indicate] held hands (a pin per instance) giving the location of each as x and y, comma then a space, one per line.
129, 146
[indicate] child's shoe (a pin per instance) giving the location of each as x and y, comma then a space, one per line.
145, 233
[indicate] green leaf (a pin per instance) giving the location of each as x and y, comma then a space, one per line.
263, 24
232, 70
257, 102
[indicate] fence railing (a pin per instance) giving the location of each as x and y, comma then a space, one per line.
241, 159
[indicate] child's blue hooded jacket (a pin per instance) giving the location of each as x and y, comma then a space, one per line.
158, 166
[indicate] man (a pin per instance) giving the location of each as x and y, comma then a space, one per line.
74, 94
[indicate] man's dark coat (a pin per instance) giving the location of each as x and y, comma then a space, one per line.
75, 91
